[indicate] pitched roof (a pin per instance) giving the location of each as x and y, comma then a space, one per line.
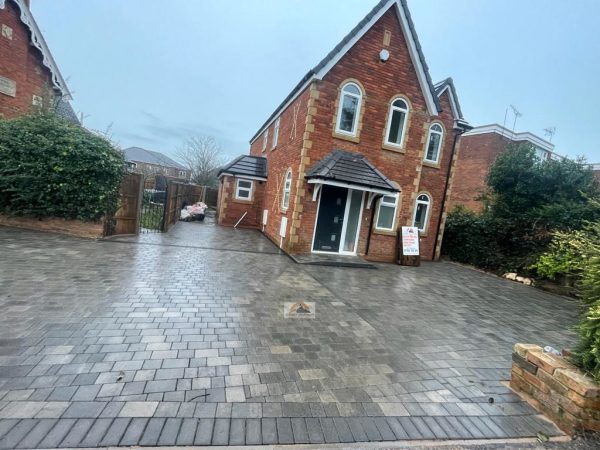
349, 40
351, 168
37, 40
138, 154
253, 166
448, 83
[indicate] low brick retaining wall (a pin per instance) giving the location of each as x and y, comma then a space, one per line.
79, 228
553, 386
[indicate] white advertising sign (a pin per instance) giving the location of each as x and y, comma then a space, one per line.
410, 241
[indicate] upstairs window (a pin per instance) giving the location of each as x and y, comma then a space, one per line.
397, 123
287, 187
243, 189
349, 109
434, 142
386, 214
275, 133
265, 139
421, 212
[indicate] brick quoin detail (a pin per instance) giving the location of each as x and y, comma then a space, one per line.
22, 62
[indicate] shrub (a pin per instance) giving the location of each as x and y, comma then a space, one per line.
52, 168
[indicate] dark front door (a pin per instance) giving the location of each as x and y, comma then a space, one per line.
331, 219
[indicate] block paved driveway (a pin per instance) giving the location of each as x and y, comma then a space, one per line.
180, 339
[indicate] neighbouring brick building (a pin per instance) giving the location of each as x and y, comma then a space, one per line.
478, 150
363, 145
29, 77
150, 162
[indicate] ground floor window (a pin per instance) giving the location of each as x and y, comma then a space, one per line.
243, 189
421, 212
386, 214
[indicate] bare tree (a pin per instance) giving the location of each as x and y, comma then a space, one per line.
202, 154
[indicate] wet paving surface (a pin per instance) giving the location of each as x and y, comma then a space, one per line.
180, 339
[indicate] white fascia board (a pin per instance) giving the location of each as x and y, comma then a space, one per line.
244, 177
414, 54
356, 187
452, 101
524, 136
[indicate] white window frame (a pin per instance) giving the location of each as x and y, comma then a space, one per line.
354, 131
275, 133
439, 149
389, 124
265, 140
422, 202
388, 205
239, 188
182, 174
287, 189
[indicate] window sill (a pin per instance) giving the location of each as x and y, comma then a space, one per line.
346, 137
247, 202
393, 148
384, 232
431, 164
283, 211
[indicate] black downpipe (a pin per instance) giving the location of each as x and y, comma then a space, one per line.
443, 205
373, 206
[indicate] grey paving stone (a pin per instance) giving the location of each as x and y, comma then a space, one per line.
221, 432
170, 431
115, 432
343, 429
134, 432
84, 410
469, 425
253, 432
434, 425
315, 433
6, 425
152, 432
204, 432
237, 433
284, 430
95, 434
410, 428
77, 433
397, 428
39, 431
187, 432
384, 429
269, 431
12, 438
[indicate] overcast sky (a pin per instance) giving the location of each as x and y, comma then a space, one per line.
159, 71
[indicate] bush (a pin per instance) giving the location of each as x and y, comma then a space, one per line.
52, 168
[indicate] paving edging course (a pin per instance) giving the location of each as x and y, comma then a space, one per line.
555, 387
71, 227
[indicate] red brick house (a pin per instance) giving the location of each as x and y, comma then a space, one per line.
29, 77
363, 145
479, 148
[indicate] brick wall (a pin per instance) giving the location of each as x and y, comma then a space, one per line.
22, 63
476, 155
231, 209
553, 386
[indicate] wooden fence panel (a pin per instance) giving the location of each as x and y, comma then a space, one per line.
126, 219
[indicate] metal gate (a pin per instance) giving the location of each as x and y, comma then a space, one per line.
152, 212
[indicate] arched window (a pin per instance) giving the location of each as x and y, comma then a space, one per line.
396, 126
434, 142
349, 109
287, 187
421, 212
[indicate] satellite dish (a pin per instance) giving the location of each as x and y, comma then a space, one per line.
384, 55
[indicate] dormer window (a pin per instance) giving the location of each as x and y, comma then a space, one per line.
349, 109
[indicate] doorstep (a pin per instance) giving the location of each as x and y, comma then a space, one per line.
323, 259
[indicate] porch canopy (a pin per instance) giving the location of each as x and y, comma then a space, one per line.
350, 170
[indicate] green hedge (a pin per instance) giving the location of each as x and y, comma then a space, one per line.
52, 168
